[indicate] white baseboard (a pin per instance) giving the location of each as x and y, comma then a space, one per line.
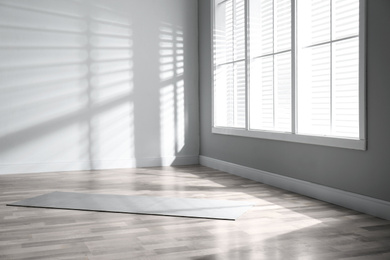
364, 204
96, 164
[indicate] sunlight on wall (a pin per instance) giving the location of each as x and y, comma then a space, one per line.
112, 130
172, 103
167, 120
66, 83
82, 83
180, 116
43, 75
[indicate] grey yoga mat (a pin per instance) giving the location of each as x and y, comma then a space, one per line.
181, 207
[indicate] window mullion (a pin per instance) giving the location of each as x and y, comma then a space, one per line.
273, 63
233, 58
362, 72
247, 69
271, 54
331, 68
293, 69
331, 41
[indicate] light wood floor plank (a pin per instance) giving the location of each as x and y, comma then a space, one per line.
281, 225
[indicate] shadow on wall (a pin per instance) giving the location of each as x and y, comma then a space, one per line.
69, 88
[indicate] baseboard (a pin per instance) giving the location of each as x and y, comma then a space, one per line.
97, 164
364, 204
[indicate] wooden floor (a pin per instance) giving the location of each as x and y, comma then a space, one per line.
282, 225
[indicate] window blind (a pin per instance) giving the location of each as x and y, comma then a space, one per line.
270, 65
230, 71
288, 67
328, 67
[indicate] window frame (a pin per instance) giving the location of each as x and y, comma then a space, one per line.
342, 142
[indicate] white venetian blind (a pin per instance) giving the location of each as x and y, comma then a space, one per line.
229, 62
270, 65
328, 67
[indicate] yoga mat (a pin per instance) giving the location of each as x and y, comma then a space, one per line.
180, 207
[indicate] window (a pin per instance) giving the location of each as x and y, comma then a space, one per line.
290, 70
230, 63
270, 65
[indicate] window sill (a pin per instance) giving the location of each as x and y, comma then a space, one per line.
356, 144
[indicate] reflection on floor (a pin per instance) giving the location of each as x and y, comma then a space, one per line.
281, 225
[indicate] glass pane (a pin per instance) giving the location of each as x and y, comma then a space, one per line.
229, 95
224, 95
239, 30
223, 32
282, 92
345, 18
282, 25
239, 95
255, 28
262, 94
313, 21
262, 28
345, 90
314, 90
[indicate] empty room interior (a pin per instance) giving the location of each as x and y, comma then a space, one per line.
194, 129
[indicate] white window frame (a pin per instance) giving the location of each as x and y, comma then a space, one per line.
349, 143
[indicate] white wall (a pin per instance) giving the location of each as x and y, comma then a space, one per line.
92, 84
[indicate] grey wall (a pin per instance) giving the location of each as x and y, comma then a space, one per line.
89, 84
362, 172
